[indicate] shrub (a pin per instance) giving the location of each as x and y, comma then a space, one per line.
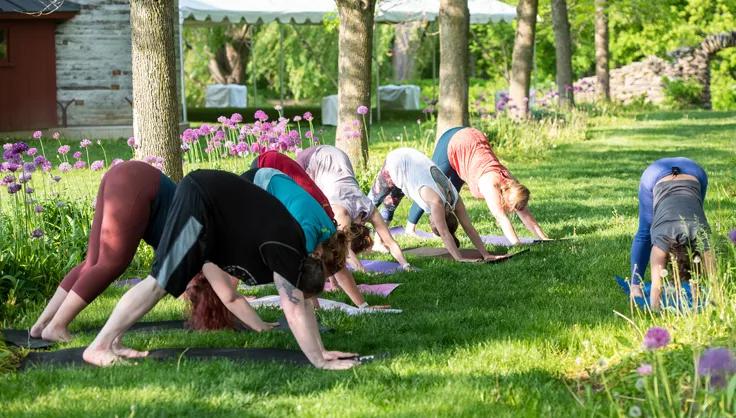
682, 94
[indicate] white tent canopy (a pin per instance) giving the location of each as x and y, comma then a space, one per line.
315, 11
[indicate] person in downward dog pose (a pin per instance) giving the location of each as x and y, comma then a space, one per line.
132, 203
232, 227
672, 225
465, 155
407, 171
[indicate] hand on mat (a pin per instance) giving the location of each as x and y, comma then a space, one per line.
492, 257
378, 307
470, 260
266, 326
408, 267
339, 364
338, 355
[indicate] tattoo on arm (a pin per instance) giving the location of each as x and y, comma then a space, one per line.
289, 290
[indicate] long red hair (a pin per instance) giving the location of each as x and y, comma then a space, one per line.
207, 312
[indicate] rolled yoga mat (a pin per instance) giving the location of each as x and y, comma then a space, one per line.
465, 252
487, 239
21, 338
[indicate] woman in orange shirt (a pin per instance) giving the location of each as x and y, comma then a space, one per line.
465, 156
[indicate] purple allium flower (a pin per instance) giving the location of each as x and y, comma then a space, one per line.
224, 120
29, 167
32, 151
97, 165
116, 162
255, 148
7, 147
8, 179
20, 148
79, 164
13, 188
40, 161
309, 134
219, 135
56, 135
77, 155
132, 143
29, 190
12, 167
362, 110
656, 337
56, 179
37, 233
37, 134
719, 364
732, 235
236, 118
308, 116
24, 178
64, 149
38, 209
645, 369
261, 115
65, 167
297, 118
85, 143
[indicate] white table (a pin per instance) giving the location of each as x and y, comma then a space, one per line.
329, 110
226, 95
401, 97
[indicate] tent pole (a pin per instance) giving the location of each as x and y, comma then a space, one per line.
281, 64
434, 61
181, 70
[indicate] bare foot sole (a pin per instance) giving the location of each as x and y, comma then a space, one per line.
101, 358
56, 334
122, 351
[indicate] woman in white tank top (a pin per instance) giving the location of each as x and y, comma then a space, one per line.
409, 172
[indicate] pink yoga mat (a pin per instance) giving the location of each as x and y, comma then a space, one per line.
487, 239
383, 289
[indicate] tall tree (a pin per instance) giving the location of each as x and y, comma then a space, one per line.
523, 57
407, 40
601, 50
227, 66
454, 65
354, 76
155, 104
563, 53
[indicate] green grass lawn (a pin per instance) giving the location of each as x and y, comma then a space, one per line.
513, 339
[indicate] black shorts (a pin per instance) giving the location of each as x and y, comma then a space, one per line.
183, 248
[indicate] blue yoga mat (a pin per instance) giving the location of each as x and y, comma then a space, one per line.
668, 300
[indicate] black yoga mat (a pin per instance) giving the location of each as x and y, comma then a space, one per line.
20, 337
73, 356
465, 252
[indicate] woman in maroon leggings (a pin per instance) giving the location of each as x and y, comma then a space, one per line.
132, 203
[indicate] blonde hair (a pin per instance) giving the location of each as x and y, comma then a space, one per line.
515, 195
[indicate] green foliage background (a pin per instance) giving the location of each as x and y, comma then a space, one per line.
638, 28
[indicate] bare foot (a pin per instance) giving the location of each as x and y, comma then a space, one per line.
51, 333
122, 351
100, 357
379, 248
36, 330
635, 291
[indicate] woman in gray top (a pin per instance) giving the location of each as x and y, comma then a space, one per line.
678, 228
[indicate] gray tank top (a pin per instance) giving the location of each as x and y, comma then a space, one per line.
331, 170
678, 214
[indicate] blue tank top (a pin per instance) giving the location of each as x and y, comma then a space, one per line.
315, 223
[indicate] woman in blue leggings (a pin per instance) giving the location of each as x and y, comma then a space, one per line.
671, 196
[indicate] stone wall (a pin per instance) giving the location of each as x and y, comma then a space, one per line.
93, 64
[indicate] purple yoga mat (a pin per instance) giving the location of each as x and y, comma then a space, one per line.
379, 266
383, 289
487, 239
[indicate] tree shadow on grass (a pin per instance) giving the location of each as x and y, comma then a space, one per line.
680, 115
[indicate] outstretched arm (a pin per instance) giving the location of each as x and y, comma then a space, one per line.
300, 316
495, 205
234, 302
346, 281
659, 262
388, 240
531, 224
437, 215
343, 223
464, 219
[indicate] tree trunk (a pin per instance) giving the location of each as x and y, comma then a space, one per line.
155, 104
563, 53
601, 50
522, 58
228, 64
406, 43
454, 65
354, 77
